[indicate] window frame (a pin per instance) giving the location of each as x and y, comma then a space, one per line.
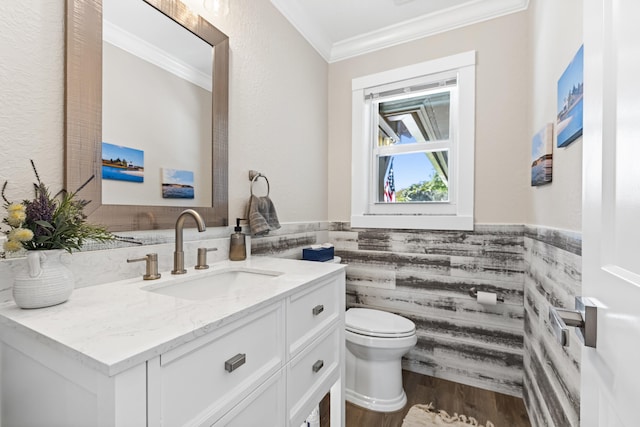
457, 213
379, 208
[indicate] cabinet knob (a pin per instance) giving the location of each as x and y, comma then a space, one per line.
318, 309
235, 362
318, 365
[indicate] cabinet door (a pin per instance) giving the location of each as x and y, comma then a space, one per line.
311, 374
201, 380
43, 387
310, 311
265, 407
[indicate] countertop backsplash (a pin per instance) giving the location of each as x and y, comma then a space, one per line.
101, 263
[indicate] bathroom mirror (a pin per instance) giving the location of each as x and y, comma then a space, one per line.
83, 121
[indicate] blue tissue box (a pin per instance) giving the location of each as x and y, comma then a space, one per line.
320, 254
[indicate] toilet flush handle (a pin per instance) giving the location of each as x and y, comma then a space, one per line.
318, 309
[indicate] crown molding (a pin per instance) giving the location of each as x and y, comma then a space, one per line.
292, 11
424, 26
136, 46
417, 28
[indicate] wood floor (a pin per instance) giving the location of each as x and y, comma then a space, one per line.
500, 409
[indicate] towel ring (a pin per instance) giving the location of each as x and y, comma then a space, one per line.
253, 176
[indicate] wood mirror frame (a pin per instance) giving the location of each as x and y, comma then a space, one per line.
83, 118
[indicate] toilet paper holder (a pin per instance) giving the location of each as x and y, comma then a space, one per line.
473, 292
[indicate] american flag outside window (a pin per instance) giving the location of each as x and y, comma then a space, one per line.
389, 186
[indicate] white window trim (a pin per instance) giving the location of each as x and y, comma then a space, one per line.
462, 162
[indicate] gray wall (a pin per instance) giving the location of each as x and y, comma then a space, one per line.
509, 348
290, 239
551, 373
426, 276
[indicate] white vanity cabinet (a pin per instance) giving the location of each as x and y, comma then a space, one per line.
264, 407
288, 356
198, 382
315, 344
268, 366
41, 386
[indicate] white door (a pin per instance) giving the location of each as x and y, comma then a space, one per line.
611, 211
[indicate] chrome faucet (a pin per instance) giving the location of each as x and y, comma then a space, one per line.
178, 255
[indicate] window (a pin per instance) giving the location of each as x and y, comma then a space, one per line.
413, 146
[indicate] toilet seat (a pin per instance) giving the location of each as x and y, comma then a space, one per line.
376, 323
378, 334
390, 343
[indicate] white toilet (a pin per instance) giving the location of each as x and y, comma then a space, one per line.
376, 341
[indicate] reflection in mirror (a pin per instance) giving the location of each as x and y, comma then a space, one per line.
146, 112
156, 109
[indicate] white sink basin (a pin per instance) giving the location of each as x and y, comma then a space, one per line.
217, 283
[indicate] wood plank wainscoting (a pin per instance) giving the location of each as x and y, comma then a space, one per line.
553, 276
426, 276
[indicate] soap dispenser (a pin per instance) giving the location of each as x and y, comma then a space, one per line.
237, 244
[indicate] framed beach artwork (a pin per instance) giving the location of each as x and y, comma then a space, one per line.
570, 91
177, 184
542, 156
122, 163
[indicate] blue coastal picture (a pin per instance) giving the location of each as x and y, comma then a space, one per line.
570, 91
177, 184
542, 156
122, 163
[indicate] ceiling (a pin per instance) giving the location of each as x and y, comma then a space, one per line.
340, 29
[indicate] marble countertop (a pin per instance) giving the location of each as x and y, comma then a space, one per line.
118, 325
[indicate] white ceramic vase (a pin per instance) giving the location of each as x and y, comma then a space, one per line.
44, 282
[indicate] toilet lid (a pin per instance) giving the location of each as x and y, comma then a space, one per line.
378, 323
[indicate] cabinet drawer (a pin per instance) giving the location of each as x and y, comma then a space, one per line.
311, 374
203, 383
264, 407
310, 311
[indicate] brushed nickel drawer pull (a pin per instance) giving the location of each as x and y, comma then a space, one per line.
235, 362
318, 365
318, 309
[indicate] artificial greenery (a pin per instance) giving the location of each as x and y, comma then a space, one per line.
49, 222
